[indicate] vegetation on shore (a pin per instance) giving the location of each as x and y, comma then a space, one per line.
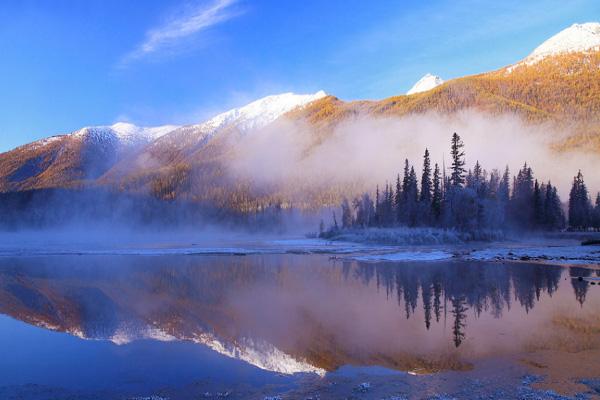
473, 204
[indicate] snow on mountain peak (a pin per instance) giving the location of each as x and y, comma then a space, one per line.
426, 83
576, 38
124, 132
261, 112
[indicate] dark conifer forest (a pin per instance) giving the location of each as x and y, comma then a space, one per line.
471, 200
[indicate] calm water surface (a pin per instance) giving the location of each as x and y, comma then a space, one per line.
132, 324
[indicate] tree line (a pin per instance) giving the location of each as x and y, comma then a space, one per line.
470, 200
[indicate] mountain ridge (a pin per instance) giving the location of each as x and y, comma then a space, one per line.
562, 89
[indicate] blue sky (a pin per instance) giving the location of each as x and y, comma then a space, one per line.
65, 64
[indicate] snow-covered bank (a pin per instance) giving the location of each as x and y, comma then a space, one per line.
404, 236
566, 254
234, 245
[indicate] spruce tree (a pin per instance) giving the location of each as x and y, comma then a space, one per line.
398, 200
426, 180
436, 200
377, 207
596, 219
391, 214
579, 204
479, 180
346, 214
413, 198
504, 187
538, 206
404, 204
522, 200
457, 178
553, 213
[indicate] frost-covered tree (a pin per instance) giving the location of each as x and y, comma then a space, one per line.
346, 214
364, 210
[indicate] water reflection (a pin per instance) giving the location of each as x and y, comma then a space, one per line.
291, 313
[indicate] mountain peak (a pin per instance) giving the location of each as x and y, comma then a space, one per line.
124, 132
427, 82
261, 112
576, 38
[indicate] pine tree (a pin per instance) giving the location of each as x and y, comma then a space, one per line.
385, 212
377, 207
457, 178
522, 200
479, 180
398, 200
404, 204
553, 213
596, 219
346, 214
426, 180
579, 204
425, 196
504, 187
538, 206
391, 214
413, 198
436, 200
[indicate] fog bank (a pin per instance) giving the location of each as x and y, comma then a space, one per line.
370, 151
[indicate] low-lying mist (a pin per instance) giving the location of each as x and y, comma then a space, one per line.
289, 159
372, 150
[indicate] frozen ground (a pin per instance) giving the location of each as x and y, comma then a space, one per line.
554, 254
232, 245
554, 251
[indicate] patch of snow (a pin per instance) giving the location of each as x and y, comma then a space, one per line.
260, 113
550, 254
47, 141
577, 38
426, 83
407, 256
123, 133
304, 246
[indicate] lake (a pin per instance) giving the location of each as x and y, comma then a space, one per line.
258, 325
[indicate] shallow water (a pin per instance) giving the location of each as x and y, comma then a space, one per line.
262, 321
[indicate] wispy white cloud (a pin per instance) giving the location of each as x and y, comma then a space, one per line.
189, 21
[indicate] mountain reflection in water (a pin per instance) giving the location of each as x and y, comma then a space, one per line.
303, 313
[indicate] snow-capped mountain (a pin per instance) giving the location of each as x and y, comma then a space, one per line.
426, 83
259, 113
123, 133
205, 150
576, 38
190, 138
